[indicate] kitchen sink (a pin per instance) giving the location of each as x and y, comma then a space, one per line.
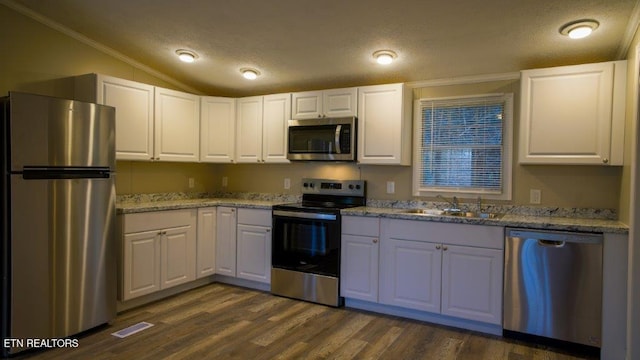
455, 213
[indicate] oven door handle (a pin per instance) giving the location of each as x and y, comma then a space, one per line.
304, 215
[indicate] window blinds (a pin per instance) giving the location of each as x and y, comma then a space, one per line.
461, 145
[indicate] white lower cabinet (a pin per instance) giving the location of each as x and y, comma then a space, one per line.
450, 269
441, 268
226, 241
410, 274
254, 245
472, 283
243, 244
158, 251
359, 258
206, 244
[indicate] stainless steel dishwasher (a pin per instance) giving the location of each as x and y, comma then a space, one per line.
553, 285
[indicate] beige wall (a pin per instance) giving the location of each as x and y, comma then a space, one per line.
40, 55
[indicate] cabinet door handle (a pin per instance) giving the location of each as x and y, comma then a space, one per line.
605, 160
445, 248
438, 247
375, 241
268, 230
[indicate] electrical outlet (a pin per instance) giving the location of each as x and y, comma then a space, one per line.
535, 196
225, 181
287, 183
391, 187
192, 183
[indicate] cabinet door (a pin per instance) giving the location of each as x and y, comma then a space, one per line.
359, 267
306, 105
276, 115
384, 125
226, 241
340, 102
206, 242
134, 115
177, 132
178, 264
141, 262
410, 274
249, 130
472, 283
254, 253
566, 114
217, 129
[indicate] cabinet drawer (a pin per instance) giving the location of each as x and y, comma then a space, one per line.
363, 226
254, 217
158, 220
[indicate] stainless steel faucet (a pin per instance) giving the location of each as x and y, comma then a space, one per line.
453, 203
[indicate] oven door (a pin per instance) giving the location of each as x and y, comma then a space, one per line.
306, 242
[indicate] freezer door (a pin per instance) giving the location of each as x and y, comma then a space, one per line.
52, 132
63, 264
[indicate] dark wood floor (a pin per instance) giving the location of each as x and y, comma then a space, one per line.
226, 322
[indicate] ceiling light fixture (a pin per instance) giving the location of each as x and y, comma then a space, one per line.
249, 73
384, 57
579, 29
186, 55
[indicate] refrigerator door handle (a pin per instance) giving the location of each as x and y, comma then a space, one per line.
41, 173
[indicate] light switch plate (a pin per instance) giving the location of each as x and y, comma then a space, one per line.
535, 196
287, 183
225, 181
391, 187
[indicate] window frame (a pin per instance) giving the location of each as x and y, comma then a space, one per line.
507, 151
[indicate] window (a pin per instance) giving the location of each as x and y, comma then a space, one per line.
462, 146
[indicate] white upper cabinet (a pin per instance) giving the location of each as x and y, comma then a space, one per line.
325, 103
276, 115
134, 112
249, 129
177, 126
152, 123
261, 128
384, 125
573, 115
217, 129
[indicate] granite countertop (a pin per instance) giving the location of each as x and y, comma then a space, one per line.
146, 206
515, 220
584, 220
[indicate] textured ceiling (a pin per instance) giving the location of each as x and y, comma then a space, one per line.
304, 45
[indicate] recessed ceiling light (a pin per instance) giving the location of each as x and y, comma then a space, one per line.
249, 73
384, 57
579, 29
186, 55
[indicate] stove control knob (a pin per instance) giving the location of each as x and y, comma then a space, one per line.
305, 185
350, 186
311, 185
357, 187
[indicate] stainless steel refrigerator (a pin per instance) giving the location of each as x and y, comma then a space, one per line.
58, 234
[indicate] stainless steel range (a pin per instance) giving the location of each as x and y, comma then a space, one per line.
306, 240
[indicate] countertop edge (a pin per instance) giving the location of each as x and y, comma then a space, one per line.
508, 220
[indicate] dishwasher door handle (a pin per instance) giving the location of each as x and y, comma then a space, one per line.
550, 243
552, 236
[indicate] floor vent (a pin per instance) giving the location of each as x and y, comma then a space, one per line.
132, 329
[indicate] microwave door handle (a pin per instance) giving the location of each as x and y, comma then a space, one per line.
337, 142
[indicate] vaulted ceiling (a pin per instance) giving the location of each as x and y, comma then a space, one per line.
303, 44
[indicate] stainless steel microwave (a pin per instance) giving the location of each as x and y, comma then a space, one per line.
327, 139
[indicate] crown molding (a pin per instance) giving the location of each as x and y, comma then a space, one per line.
464, 80
632, 27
